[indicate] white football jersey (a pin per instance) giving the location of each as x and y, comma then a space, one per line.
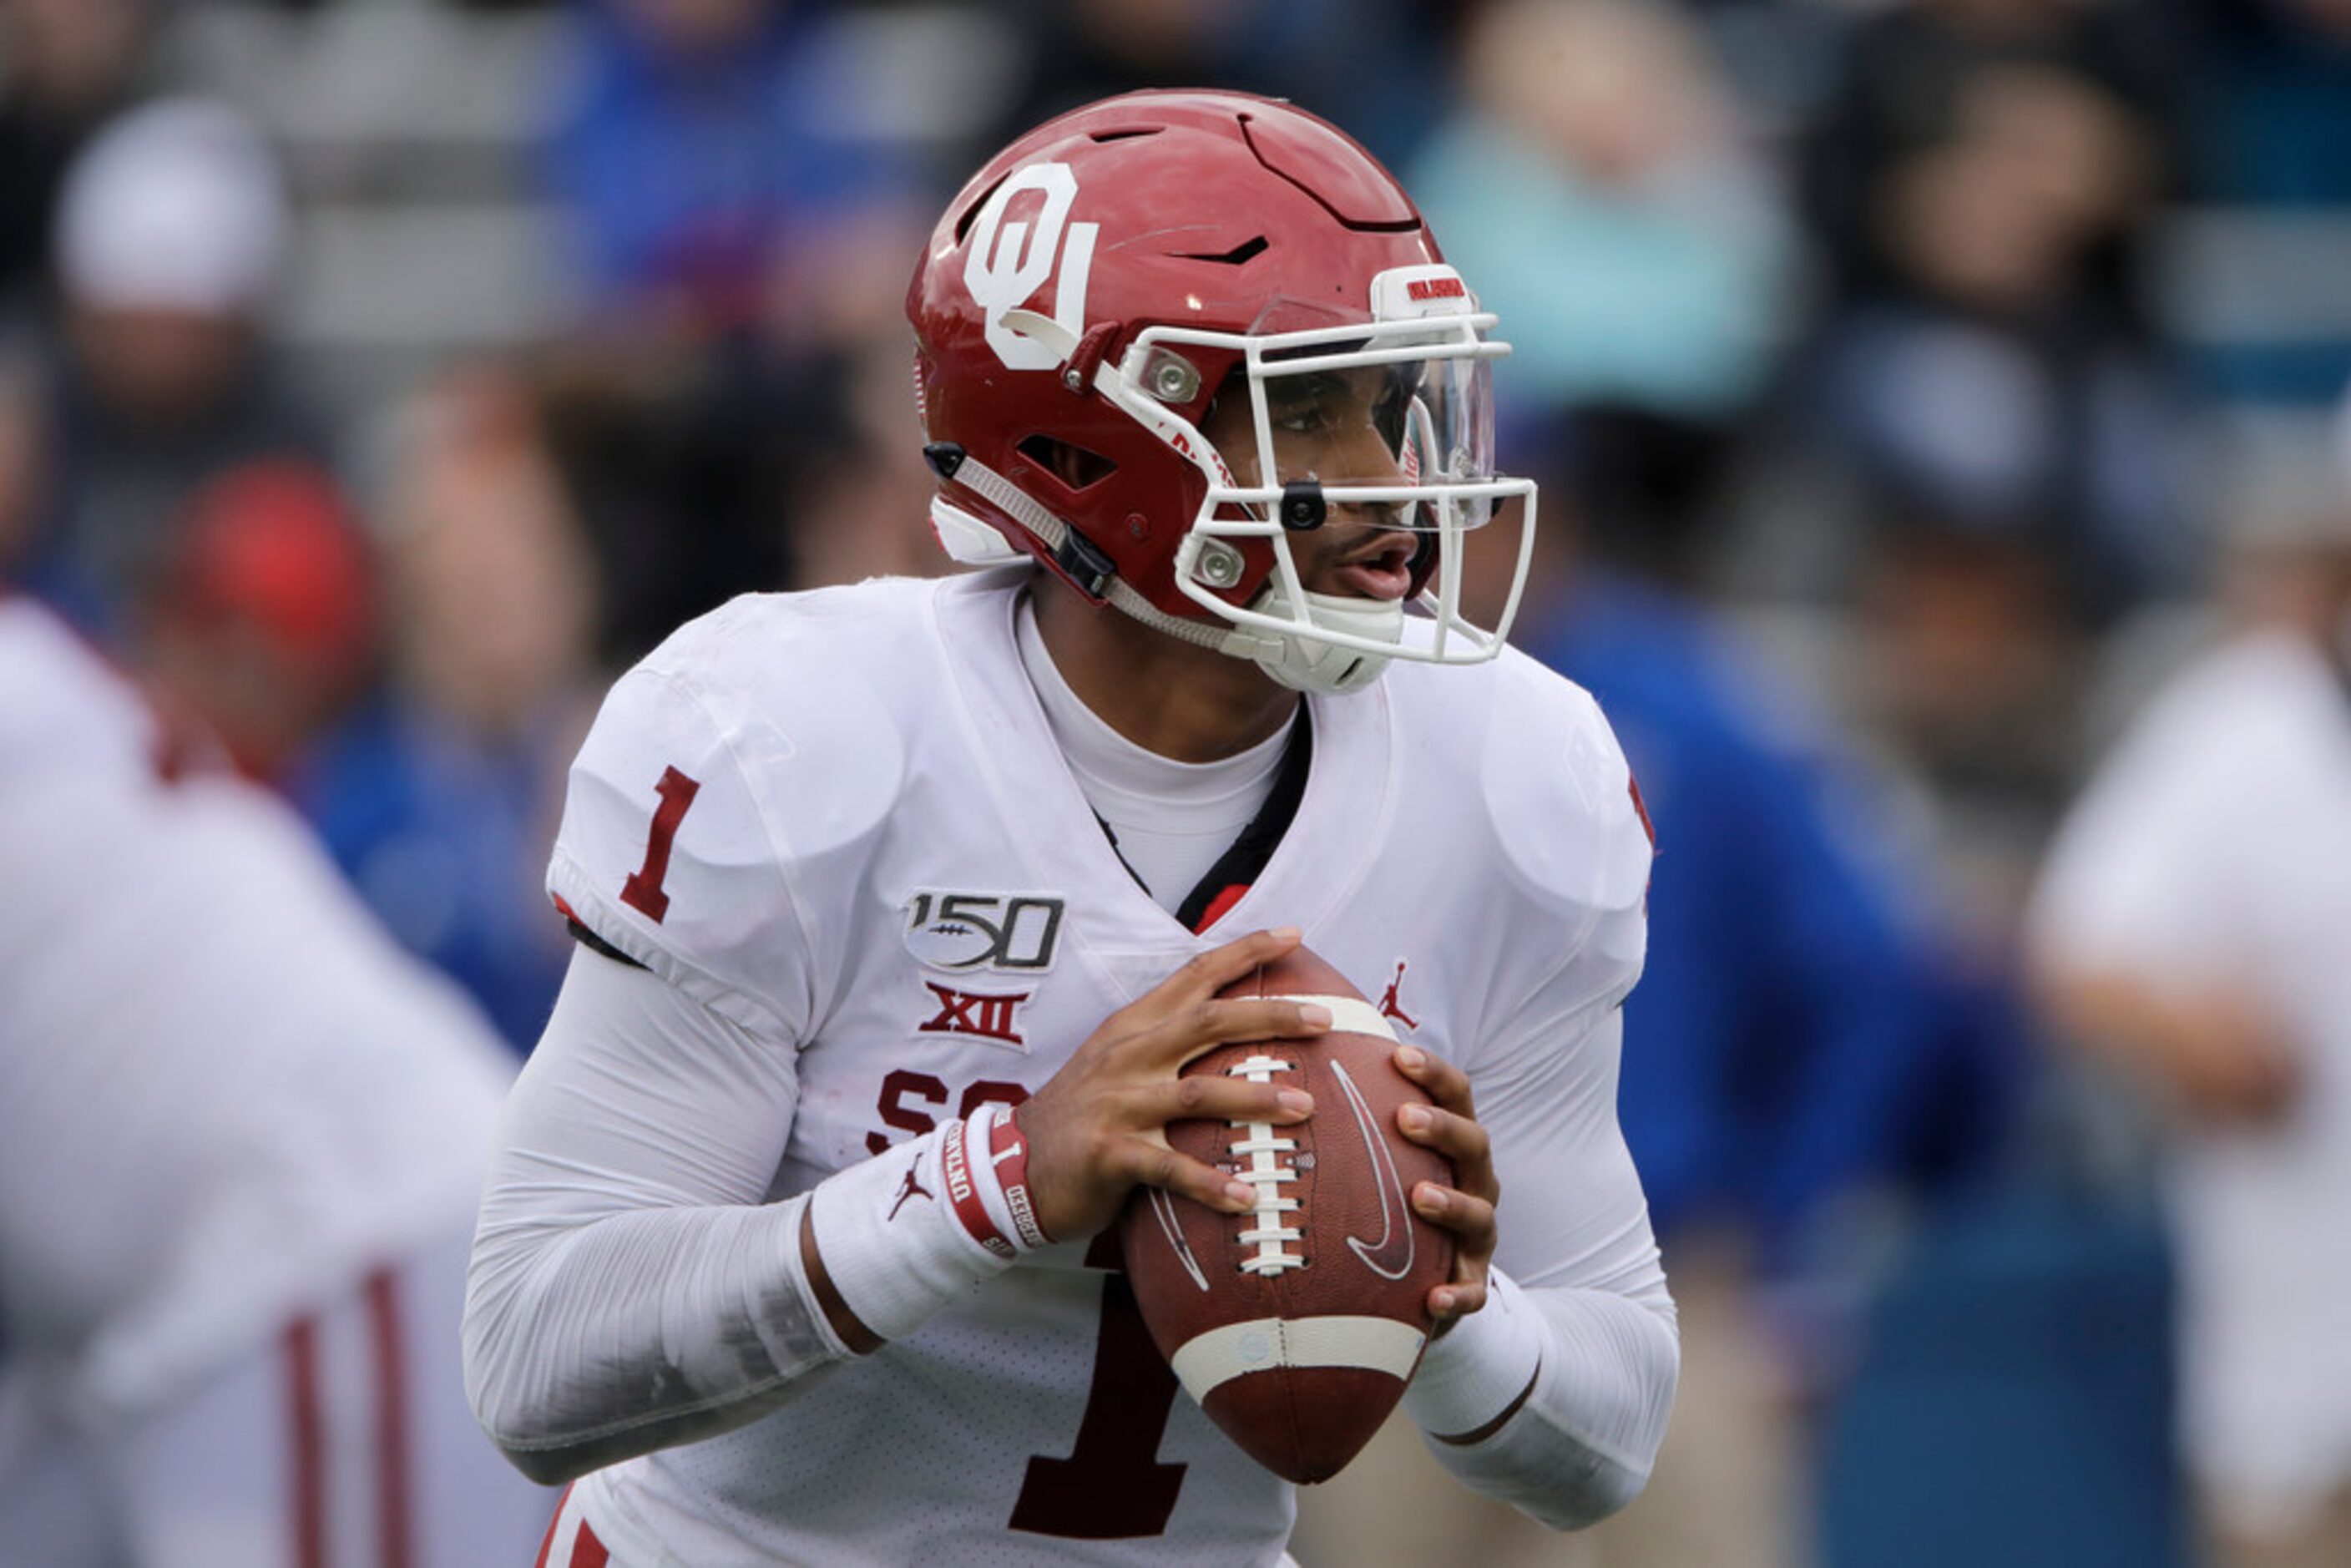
2213, 849
60, 706
839, 820
200, 1133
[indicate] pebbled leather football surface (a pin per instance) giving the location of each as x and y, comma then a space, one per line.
1298, 1326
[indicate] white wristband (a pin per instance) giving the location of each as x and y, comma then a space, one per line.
887, 1231
1483, 1363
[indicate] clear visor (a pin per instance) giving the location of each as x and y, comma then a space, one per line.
1363, 455
1390, 440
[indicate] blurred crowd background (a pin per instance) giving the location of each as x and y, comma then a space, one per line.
1918, 386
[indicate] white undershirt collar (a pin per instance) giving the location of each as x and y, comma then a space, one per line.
1172, 820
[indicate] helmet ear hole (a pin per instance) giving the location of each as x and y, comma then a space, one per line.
1072, 465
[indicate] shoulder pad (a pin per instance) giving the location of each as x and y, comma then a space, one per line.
754, 743
1560, 794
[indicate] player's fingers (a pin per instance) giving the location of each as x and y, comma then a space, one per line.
1151, 1162
1204, 973
1206, 1097
1439, 1078
1469, 1217
1198, 978
1457, 1299
1214, 1022
1460, 1140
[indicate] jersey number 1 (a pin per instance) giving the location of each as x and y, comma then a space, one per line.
1113, 1486
642, 891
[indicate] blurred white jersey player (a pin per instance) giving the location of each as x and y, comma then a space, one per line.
240, 1138
856, 871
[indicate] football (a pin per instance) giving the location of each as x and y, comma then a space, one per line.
1297, 1326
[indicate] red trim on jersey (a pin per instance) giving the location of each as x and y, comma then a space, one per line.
547, 1544
586, 1552
564, 909
1221, 904
307, 1430
391, 1493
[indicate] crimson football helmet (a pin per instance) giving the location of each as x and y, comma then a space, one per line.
1159, 336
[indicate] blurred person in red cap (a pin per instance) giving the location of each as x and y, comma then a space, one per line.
240, 1140
2190, 931
262, 619
168, 239
438, 794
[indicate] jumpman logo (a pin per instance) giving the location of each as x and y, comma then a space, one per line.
1390, 1006
910, 1187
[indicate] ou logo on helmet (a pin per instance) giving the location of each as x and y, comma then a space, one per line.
1008, 262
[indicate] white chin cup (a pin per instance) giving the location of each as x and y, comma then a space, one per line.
1305, 663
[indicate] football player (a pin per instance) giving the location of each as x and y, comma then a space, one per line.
900, 907
241, 1141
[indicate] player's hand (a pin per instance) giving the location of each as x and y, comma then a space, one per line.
2227, 1062
1098, 1127
1466, 1208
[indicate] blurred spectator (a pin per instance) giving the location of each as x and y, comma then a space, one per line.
740, 242
22, 461
1592, 188
706, 187
261, 620
65, 67
1081, 50
2190, 928
1970, 670
1374, 66
2273, 126
1978, 177
168, 242
2272, 139
1802, 1047
864, 507
240, 1140
439, 798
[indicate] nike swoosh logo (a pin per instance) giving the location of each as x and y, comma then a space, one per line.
1162, 1209
1391, 1255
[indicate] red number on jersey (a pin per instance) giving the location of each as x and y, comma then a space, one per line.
1113, 1486
642, 891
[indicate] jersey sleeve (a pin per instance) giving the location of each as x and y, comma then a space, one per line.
1575, 843
667, 854
2137, 876
1554, 1398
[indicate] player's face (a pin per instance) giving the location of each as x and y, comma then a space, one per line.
1340, 427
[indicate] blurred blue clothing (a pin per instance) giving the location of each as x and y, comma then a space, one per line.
445, 839
2272, 132
2273, 126
1792, 1036
1666, 296
693, 174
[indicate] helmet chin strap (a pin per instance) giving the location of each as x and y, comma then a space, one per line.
1302, 664
1311, 664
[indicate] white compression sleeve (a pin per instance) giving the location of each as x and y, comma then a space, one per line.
629, 1289
1583, 1315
